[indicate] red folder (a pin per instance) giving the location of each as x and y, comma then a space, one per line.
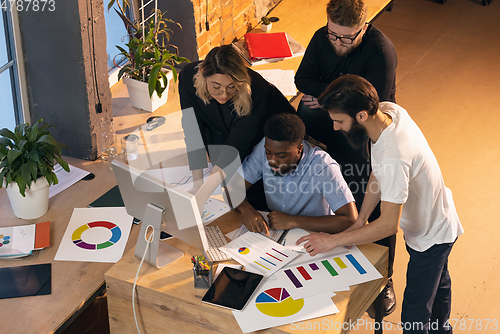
267, 45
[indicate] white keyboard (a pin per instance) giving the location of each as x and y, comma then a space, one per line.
216, 239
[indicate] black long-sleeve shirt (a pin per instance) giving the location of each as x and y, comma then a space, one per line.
216, 125
374, 59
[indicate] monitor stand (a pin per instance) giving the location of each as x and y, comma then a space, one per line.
159, 253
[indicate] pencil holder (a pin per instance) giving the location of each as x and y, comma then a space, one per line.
203, 277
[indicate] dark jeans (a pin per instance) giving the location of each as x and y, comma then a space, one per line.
355, 164
427, 297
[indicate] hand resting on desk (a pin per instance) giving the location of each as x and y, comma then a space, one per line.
311, 101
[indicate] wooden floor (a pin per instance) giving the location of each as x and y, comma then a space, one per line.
447, 78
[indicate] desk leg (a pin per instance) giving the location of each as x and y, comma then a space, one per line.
379, 306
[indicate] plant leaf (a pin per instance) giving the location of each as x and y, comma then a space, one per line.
12, 155
63, 164
7, 134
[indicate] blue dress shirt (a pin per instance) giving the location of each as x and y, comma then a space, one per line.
315, 188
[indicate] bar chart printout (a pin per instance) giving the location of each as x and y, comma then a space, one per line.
338, 269
259, 254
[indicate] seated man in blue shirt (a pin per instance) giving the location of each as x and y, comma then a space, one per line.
303, 185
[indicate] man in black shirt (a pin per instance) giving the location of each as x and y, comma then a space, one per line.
347, 45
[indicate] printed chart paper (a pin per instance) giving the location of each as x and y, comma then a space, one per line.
180, 177
65, 179
258, 254
271, 305
213, 210
334, 270
95, 235
17, 241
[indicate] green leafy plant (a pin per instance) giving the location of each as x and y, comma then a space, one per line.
265, 20
28, 153
149, 52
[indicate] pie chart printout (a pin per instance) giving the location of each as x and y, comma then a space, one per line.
116, 234
277, 302
243, 250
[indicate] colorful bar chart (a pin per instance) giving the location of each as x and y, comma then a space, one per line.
293, 278
356, 264
329, 272
329, 267
314, 266
340, 263
304, 273
326, 264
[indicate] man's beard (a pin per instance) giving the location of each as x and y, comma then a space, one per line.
356, 136
341, 51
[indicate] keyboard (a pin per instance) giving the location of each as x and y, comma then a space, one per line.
216, 239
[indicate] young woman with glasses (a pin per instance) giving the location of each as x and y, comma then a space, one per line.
227, 104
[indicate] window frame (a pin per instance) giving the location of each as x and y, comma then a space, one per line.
14, 66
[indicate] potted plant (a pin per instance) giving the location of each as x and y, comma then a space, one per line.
266, 24
27, 158
150, 59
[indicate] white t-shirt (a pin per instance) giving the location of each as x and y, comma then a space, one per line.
408, 173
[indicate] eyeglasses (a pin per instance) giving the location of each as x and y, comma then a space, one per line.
343, 39
219, 91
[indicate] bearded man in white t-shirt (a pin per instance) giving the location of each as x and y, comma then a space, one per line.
406, 178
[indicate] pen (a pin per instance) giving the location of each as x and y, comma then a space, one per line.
284, 242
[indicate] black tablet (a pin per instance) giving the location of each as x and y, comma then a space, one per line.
232, 289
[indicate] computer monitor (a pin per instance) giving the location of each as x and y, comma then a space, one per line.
162, 206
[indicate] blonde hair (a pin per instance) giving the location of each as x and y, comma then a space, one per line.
347, 13
225, 60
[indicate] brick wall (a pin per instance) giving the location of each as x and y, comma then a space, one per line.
228, 19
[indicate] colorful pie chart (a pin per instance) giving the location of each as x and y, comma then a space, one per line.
116, 234
244, 250
277, 302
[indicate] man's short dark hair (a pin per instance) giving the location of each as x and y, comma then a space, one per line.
285, 127
350, 94
347, 13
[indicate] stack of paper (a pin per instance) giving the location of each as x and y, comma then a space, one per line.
282, 79
19, 241
299, 289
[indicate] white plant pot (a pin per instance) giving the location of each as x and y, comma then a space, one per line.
266, 28
36, 202
139, 95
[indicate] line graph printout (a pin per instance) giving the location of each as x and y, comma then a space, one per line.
331, 271
258, 254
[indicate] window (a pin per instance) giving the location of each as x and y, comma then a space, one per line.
116, 34
10, 111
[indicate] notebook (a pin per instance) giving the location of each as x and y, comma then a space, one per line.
267, 45
22, 281
112, 198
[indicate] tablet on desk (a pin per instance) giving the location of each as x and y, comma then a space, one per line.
232, 289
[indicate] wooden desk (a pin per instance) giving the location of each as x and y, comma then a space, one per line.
73, 283
167, 302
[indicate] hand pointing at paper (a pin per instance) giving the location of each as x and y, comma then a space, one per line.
317, 243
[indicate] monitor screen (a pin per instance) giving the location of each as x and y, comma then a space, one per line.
150, 199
